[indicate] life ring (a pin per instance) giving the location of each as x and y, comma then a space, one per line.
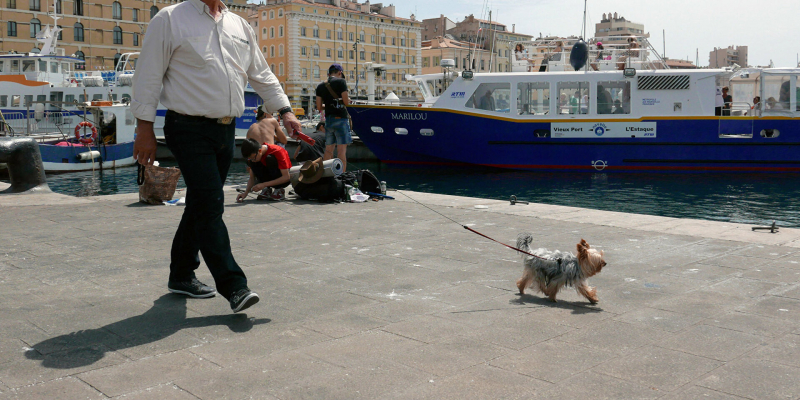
85, 140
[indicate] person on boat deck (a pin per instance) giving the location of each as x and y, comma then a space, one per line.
555, 55
574, 103
772, 104
563, 104
756, 107
604, 100
269, 169
487, 101
600, 56
784, 99
266, 129
718, 102
727, 101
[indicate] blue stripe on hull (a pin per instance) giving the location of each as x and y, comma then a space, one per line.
688, 144
69, 155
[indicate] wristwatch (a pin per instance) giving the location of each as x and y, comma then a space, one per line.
284, 110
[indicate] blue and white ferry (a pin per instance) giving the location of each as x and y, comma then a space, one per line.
637, 119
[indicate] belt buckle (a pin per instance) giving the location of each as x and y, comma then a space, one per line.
224, 120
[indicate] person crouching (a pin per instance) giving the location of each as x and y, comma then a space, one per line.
269, 170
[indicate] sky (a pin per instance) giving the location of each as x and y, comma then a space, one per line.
769, 28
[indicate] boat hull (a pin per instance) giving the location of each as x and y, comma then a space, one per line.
443, 137
65, 158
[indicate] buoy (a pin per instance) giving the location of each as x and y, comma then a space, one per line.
88, 155
38, 111
579, 55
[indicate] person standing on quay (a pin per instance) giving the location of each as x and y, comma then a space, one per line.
196, 59
333, 98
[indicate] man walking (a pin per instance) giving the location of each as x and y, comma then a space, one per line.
196, 59
332, 97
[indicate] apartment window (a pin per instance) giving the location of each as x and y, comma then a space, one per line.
58, 7
36, 26
383, 39
328, 53
316, 71
116, 10
153, 11
12, 29
426, 61
280, 50
280, 69
402, 41
11, 4
117, 35
362, 55
361, 37
412, 43
135, 15
352, 35
81, 65
272, 51
271, 14
304, 72
303, 51
383, 57
352, 54
272, 67
34, 5
271, 32
280, 13
316, 51
394, 41
414, 60
328, 34
315, 32
340, 35
483, 65
403, 58
280, 31
340, 53
435, 61
135, 39
302, 31
372, 56
372, 38
60, 32
394, 58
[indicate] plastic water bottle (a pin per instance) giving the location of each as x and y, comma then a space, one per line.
383, 188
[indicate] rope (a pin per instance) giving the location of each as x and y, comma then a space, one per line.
473, 230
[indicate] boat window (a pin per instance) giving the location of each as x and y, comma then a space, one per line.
614, 97
2, 69
28, 66
28, 100
573, 97
776, 91
41, 97
97, 97
533, 98
70, 98
493, 97
64, 67
81, 98
114, 97
15, 100
4, 101
54, 67
14, 65
42, 65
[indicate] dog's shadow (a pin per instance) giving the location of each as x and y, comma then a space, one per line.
577, 307
165, 318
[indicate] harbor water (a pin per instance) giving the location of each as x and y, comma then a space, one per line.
756, 199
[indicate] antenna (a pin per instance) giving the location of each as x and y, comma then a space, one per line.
664, 41
583, 35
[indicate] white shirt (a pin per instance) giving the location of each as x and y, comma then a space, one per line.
198, 66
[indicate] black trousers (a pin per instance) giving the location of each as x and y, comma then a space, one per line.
204, 151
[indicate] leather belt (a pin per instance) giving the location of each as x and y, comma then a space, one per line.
221, 121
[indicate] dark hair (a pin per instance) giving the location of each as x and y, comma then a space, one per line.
249, 146
260, 114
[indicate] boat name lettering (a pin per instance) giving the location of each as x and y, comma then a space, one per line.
457, 95
636, 129
410, 116
650, 102
603, 130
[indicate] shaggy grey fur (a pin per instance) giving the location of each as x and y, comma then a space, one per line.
555, 269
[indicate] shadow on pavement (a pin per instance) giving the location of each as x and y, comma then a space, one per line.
576, 307
166, 317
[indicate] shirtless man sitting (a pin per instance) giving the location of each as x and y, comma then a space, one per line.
266, 130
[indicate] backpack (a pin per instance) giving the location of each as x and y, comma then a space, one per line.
367, 181
325, 190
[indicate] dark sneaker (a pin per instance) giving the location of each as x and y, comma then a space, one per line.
278, 194
192, 288
243, 299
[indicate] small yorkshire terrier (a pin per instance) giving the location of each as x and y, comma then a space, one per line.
555, 269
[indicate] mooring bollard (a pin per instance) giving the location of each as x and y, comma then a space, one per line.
515, 201
24, 162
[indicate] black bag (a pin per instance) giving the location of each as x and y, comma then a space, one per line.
367, 181
325, 190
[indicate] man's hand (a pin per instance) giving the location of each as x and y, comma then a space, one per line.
144, 148
291, 124
240, 198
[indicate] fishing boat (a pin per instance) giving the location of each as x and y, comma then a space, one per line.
630, 114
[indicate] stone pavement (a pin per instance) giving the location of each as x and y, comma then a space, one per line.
388, 300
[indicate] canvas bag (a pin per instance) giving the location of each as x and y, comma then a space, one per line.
157, 184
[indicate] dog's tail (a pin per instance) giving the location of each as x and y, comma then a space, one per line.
524, 241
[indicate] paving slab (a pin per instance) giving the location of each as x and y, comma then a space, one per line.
392, 300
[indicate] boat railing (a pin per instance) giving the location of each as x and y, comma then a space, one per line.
12, 123
49, 123
742, 109
417, 104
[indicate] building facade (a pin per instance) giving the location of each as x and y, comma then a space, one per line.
615, 29
491, 36
435, 27
727, 57
466, 56
301, 39
97, 31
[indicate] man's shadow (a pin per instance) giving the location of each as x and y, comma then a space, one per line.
166, 317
